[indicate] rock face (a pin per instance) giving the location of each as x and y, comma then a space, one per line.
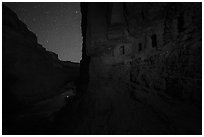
171, 50
156, 44
30, 73
144, 66
140, 71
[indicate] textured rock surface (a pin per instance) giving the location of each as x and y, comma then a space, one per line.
140, 71
175, 66
153, 90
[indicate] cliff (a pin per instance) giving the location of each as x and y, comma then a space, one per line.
30, 73
142, 64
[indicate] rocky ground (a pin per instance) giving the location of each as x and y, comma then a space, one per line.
37, 118
109, 107
112, 109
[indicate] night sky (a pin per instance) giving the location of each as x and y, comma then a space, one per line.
56, 24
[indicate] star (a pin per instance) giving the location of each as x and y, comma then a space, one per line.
55, 24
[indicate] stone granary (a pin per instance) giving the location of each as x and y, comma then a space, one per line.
140, 73
159, 44
137, 56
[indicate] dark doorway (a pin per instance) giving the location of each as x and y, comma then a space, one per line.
154, 41
140, 47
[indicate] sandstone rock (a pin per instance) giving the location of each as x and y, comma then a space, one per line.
167, 37
30, 73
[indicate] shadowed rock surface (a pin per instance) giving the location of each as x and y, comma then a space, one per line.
140, 72
31, 75
144, 66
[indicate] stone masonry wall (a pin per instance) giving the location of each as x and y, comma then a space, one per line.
176, 67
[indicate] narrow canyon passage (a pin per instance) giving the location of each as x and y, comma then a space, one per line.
140, 74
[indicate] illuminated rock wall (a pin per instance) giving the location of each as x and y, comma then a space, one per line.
165, 45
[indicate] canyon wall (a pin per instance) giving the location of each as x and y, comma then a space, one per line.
155, 45
30, 73
143, 69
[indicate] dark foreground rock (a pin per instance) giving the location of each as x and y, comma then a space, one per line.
31, 77
140, 73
